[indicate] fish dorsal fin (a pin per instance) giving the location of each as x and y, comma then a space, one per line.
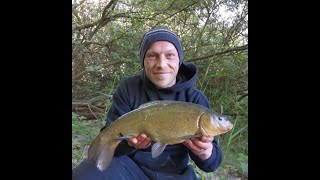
157, 149
147, 104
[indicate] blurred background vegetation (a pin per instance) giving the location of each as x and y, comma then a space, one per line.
105, 48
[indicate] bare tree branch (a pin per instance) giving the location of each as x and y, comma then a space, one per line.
235, 28
171, 4
183, 9
105, 65
107, 7
240, 48
85, 26
100, 21
76, 15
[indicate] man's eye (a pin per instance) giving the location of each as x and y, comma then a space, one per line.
151, 55
170, 55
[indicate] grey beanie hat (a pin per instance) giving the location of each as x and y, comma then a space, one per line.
159, 34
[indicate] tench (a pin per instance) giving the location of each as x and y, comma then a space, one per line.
165, 122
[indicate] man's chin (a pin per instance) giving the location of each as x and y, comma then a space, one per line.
163, 85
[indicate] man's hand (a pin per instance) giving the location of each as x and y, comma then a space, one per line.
201, 146
140, 142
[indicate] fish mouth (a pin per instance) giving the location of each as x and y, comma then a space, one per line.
226, 128
231, 126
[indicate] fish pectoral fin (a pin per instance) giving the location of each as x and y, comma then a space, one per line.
124, 137
191, 136
157, 149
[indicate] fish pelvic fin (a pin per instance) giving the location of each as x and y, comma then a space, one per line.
157, 149
101, 152
124, 137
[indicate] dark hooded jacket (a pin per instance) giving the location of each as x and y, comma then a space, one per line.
136, 90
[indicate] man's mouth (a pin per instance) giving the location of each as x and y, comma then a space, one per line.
161, 72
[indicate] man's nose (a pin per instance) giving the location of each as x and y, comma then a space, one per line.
162, 61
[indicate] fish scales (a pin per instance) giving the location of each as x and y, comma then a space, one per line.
160, 122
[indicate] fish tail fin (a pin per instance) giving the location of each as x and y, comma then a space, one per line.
101, 152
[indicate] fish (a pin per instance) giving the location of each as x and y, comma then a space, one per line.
166, 122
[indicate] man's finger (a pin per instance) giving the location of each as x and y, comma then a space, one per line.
141, 137
132, 141
206, 138
200, 144
195, 149
145, 143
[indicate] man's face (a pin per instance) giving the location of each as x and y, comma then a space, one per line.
161, 64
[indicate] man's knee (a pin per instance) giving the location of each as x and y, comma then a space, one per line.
86, 170
120, 168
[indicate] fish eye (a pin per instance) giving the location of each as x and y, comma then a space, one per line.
220, 118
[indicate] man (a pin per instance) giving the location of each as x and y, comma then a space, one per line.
165, 77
